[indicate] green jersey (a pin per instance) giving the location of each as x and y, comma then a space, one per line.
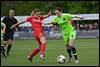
2, 24
64, 23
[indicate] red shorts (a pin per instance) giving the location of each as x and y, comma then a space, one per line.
38, 35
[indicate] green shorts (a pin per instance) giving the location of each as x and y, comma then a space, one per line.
1, 38
1, 35
71, 35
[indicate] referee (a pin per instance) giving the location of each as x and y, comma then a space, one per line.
8, 35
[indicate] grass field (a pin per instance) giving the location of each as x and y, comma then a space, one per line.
87, 49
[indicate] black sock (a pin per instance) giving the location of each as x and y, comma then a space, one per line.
74, 52
69, 52
2, 49
9, 48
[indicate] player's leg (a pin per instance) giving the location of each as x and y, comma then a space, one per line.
69, 53
10, 40
42, 48
2, 48
9, 46
36, 50
66, 39
4, 42
71, 45
73, 48
38, 41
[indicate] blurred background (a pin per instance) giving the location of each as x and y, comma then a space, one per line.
87, 9
87, 28
23, 8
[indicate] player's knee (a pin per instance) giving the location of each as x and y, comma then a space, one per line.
43, 40
5, 42
70, 45
9, 42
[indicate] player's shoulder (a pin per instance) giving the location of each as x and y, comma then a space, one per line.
41, 16
14, 18
29, 17
55, 17
5, 17
66, 14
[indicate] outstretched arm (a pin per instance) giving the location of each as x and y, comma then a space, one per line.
18, 24
4, 28
78, 17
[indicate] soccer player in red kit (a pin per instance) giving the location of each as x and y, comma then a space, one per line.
36, 21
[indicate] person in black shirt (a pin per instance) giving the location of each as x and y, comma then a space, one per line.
8, 36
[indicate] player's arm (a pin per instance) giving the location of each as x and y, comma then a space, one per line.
55, 26
47, 15
78, 17
17, 24
4, 27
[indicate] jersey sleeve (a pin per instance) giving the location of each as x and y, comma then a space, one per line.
54, 21
4, 20
28, 19
2, 24
69, 16
16, 21
41, 18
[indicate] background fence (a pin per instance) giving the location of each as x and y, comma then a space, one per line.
56, 34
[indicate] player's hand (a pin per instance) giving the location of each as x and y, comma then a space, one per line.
81, 18
49, 12
3, 31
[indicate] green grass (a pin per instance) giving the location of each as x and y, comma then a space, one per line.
87, 49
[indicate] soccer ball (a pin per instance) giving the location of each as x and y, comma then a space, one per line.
61, 59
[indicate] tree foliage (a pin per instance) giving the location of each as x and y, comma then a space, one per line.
26, 7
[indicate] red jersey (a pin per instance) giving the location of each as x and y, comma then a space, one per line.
36, 23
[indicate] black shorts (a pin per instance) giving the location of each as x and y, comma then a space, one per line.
8, 36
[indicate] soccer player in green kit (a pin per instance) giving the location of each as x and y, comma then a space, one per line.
69, 34
3, 27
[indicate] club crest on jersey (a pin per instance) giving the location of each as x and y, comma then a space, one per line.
37, 20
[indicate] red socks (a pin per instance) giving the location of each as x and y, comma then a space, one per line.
36, 50
42, 48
